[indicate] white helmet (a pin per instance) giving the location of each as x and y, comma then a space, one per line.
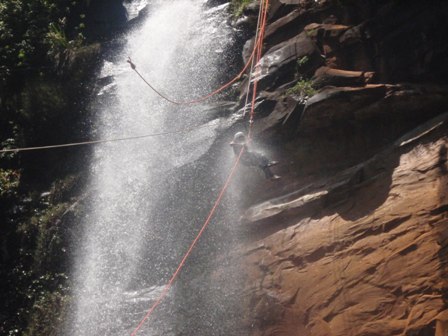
239, 139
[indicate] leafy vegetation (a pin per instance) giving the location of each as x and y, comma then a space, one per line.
50, 305
29, 29
238, 6
35, 36
40, 100
37, 278
9, 182
47, 299
302, 61
303, 89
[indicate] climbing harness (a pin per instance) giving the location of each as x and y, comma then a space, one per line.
257, 51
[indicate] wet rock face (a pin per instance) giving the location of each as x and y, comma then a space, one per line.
360, 104
362, 254
353, 239
278, 64
338, 47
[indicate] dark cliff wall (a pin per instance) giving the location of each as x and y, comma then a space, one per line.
352, 239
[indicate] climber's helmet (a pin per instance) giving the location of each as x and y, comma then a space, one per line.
238, 139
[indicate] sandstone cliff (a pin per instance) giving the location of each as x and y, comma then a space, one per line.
353, 239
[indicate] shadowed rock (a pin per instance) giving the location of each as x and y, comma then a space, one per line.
332, 104
353, 239
334, 271
278, 64
325, 76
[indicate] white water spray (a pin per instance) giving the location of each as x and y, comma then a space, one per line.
131, 235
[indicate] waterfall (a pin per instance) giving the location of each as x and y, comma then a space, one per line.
150, 196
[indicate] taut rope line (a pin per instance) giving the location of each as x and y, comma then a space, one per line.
252, 63
264, 9
207, 96
93, 142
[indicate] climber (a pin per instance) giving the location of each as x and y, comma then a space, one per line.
249, 158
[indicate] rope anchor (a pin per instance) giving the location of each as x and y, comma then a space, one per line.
133, 66
257, 48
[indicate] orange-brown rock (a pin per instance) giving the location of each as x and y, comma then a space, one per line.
364, 252
353, 240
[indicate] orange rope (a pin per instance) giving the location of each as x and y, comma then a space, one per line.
187, 254
252, 63
264, 9
258, 58
211, 94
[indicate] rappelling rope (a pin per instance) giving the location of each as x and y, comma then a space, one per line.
263, 9
252, 63
93, 142
256, 55
190, 249
207, 96
259, 49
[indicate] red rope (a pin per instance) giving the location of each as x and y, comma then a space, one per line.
258, 58
211, 94
258, 49
187, 254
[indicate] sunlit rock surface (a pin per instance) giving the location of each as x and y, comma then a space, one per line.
353, 239
363, 253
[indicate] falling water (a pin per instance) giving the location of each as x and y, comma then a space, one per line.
149, 197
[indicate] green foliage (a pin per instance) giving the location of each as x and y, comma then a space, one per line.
48, 311
9, 144
9, 182
45, 231
38, 281
9, 177
238, 6
302, 61
58, 41
38, 102
56, 36
47, 299
303, 89
28, 28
